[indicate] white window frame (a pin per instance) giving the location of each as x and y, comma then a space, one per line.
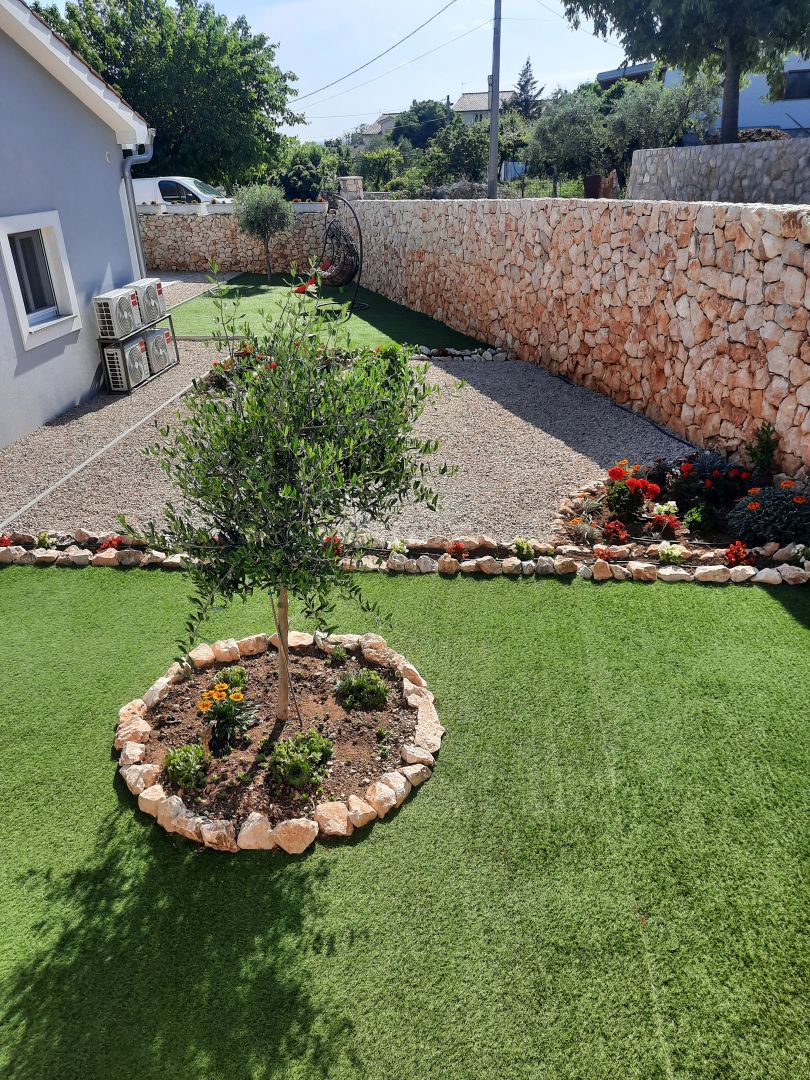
67, 319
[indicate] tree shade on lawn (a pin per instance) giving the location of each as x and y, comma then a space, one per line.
602, 879
383, 323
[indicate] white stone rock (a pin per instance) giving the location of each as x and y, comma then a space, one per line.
768, 576
585, 572
792, 575
202, 656
716, 575
333, 819
545, 566
785, 554
135, 729
256, 833
138, 777
416, 755
673, 574
253, 645
132, 753
427, 565
396, 562
158, 691
741, 574
296, 639
295, 835
227, 651
565, 565
512, 566
399, 784
381, 797
489, 565
150, 799
360, 812
219, 834
415, 774
619, 572
642, 571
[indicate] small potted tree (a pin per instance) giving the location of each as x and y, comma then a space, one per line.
262, 212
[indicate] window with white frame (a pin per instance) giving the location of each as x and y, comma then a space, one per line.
33, 253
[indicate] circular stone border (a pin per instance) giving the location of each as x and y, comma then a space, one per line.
329, 819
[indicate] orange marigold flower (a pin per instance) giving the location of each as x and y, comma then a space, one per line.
204, 706
221, 686
624, 461
800, 500
219, 695
754, 491
237, 695
575, 521
754, 505
787, 484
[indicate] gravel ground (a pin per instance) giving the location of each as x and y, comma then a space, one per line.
522, 439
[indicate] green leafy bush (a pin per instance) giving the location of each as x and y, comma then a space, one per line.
523, 547
366, 690
337, 657
185, 766
235, 676
300, 762
762, 449
767, 514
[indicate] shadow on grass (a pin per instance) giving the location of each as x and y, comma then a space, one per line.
794, 599
172, 961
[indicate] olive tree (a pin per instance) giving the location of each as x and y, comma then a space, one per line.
281, 456
262, 212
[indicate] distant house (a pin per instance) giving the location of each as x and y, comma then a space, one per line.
67, 228
381, 126
791, 114
474, 107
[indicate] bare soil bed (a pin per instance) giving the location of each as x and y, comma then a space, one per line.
239, 782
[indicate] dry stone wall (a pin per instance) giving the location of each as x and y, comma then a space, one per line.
182, 241
771, 172
694, 314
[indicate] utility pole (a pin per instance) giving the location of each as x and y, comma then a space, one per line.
494, 104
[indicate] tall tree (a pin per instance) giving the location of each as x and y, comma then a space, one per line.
209, 86
459, 152
737, 37
420, 123
527, 97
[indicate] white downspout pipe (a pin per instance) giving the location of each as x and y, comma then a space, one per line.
126, 171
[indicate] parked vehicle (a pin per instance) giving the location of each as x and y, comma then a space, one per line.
171, 190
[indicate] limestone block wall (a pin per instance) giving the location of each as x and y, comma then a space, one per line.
182, 241
694, 314
772, 172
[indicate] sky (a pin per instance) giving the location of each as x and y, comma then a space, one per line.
321, 40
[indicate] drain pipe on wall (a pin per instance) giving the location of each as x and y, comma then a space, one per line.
136, 158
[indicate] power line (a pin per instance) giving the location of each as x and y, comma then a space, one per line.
405, 63
581, 29
391, 48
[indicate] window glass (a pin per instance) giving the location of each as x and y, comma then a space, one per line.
797, 85
207, 189
170, 190
36, 286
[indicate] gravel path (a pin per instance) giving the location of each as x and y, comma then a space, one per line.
522, 439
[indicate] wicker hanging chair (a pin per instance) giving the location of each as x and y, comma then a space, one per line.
340, 260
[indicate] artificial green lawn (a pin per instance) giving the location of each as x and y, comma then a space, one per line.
382, 323
602, 880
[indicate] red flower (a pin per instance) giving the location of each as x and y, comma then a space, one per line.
734, 472
737, 554
715, 473
652, 491
686, 468
708, 483
615, 532
746, 475
664, 523
617, 473
635, 484
800, 500
5, 540
111, 542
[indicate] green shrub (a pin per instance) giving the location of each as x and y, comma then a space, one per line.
762, 449
235, 676
366, 690
766, 514
185, 766
523, 547
262, 212
300, 762
337, 657
226, 713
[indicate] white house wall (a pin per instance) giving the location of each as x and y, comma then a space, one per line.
56, 155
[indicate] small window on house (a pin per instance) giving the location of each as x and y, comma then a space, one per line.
36, 286
479, 117
797, 85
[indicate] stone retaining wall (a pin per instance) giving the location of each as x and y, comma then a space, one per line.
695, 314
771, 172
181, 241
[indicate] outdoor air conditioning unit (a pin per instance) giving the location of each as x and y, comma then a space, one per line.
117, 313
158, 349
127, 364
150, 298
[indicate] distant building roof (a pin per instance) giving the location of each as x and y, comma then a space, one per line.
629, 71
375, 128
479, 101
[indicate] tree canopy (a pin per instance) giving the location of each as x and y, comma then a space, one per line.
209, 86
735, 37
526, 101
420, 123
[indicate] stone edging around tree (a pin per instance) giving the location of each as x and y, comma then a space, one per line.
330, 819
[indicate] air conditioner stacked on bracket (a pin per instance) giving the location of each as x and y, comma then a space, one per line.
117, 313
127, 364
150, 298
158, 349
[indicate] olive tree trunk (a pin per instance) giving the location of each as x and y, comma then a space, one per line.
267, 258
283, 631
730, 118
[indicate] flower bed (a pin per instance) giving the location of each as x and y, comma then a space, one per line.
206, 757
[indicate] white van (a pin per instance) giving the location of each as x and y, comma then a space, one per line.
170, 190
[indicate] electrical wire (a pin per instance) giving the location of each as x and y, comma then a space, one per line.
373, 60
405, 63
580, 29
